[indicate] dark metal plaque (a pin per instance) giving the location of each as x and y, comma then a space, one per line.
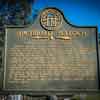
50, 55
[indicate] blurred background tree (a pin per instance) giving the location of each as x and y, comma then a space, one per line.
15, 12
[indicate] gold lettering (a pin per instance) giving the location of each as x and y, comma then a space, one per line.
48, 35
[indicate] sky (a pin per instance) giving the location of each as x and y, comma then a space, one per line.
77, 12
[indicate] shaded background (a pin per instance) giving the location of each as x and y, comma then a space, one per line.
77, 12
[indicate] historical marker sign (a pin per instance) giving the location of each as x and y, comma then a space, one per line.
50, 55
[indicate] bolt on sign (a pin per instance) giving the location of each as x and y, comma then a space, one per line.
51, 55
